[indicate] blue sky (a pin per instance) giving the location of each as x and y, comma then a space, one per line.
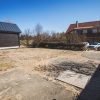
53, 15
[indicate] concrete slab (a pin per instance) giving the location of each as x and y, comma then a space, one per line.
76, 79
12, 47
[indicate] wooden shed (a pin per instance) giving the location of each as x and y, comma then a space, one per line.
9, 35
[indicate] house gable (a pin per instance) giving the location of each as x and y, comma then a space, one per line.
9, 27
9, 35
83, 25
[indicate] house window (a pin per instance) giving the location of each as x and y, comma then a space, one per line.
79, 32
75, 31
98, 30
94, 31
84, 31
89, 30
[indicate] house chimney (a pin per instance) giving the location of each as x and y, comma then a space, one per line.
76, 24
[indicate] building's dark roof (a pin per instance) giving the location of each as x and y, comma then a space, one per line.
85, 24
9, 27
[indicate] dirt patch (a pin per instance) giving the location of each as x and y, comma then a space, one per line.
94, 55
19, 85
6, 65
5, 61
47, 63
55, 66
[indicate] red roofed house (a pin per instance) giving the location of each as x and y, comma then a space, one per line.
90, 31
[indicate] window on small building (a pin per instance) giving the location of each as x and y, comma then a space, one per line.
84, 31
94, 31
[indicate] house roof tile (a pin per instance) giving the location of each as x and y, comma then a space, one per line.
83, 25
9, 27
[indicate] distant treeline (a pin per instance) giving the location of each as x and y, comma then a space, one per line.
38, 35
35, 37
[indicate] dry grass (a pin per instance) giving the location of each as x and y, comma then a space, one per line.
45, 62
39, 58
6, 65
53, 67
5, 61
24, 43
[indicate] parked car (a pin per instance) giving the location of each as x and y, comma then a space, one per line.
94, 45
86, 44
98, 49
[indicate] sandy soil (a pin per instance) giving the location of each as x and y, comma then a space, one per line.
19, 85
38, 54
30, 60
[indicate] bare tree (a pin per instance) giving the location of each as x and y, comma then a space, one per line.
38, 29
38, 37
75, 38
27, 36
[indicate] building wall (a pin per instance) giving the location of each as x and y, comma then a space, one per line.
76, 37
9, 39
90, 35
